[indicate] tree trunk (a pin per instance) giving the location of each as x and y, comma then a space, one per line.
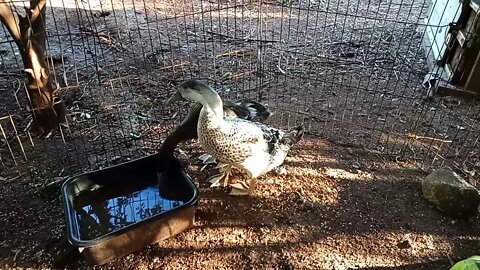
29, 32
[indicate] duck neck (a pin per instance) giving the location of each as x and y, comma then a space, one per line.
212, 107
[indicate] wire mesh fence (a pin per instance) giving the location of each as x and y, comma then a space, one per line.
352, 71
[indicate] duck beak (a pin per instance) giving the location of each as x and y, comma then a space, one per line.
174, 98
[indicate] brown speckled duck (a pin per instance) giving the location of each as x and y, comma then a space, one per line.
187, 130
252, 147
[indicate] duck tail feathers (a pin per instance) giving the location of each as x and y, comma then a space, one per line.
294, 135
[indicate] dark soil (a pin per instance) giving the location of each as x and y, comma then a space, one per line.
334, 208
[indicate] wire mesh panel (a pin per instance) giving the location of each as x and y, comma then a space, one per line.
352, 71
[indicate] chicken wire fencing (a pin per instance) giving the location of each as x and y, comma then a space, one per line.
351, 71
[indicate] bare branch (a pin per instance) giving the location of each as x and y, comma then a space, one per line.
36, 13
29, 32
8, 19
37, 9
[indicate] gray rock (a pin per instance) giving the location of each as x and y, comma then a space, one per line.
451, 194
356, 165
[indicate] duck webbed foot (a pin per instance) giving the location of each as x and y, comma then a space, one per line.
242, 189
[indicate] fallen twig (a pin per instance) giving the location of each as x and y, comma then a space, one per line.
236, 53
416, 137
232, 39
8, 180
104, 39
174, 66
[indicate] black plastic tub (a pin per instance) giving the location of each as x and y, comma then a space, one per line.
121, 209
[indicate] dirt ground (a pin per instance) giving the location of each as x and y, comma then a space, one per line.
335, 208
350, 197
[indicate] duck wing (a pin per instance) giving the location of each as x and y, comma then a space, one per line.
242, 131
279, 143
271, 135
263, 147
262, 136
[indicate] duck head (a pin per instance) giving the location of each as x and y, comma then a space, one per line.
194, 90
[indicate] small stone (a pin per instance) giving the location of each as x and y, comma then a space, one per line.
349, 150
356, 165
310, 206
404, 244
280, 171
300, 199
451, 194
